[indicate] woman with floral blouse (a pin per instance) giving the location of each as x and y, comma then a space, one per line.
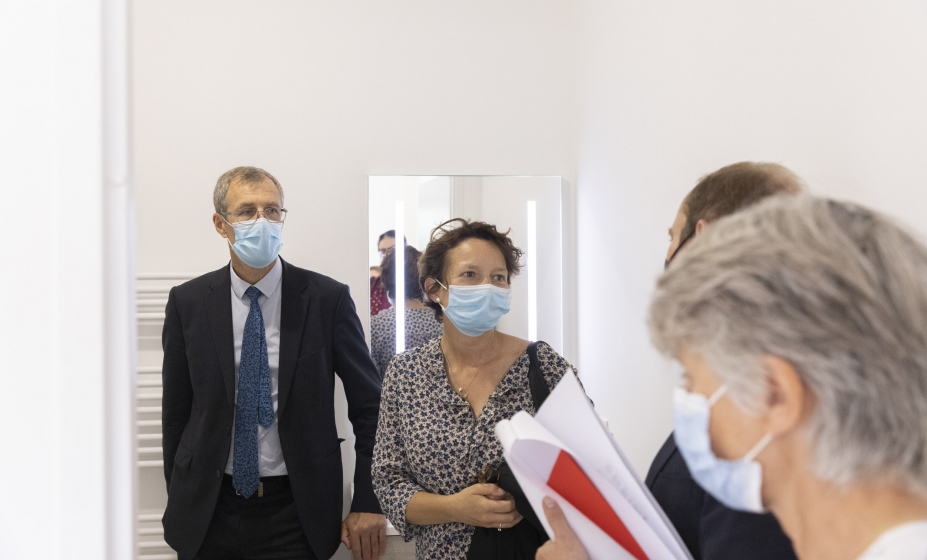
441, 401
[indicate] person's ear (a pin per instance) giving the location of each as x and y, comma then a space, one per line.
219, 224
699, 226
429, 285
787, 398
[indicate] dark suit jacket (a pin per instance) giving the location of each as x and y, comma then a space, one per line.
710, 530
320, 334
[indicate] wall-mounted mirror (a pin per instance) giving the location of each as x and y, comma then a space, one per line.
409, 207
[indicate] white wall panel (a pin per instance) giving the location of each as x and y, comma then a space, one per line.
673, 90
66, 370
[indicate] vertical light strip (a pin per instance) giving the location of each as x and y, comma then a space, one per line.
399, 252
532, 266
119, 281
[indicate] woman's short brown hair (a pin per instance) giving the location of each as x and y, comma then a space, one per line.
450, 234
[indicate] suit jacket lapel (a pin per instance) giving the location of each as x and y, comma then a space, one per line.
293, 312
669, 447
219, 309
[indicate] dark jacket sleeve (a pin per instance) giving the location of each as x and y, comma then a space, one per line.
710, 530
727, 534
362, 384
177, 398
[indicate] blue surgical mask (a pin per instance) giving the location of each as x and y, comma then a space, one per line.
736, 484
476, 309
257, 242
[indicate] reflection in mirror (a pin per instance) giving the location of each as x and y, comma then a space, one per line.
403, 212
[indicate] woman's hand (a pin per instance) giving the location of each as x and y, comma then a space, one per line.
485, 505
564, 545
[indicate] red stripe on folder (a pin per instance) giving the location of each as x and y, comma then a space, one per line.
569, 480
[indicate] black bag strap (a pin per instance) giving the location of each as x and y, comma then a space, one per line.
539, 389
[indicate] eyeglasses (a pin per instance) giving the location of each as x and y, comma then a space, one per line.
271, 214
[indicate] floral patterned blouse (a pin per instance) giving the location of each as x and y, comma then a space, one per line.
421, 326
429, 441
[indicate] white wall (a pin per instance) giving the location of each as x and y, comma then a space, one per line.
68, 394
323, 94
673, 90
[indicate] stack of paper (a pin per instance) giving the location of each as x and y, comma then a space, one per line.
566, 453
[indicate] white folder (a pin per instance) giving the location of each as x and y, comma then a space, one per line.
567, 422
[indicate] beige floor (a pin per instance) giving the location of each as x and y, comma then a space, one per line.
395, 550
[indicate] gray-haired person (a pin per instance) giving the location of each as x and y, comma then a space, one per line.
802, 326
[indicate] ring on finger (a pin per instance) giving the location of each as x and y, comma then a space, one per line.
500, 527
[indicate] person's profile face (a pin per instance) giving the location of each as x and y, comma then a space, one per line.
385, 245
675, 234
732, 431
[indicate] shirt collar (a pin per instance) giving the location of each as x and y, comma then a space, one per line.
267, 285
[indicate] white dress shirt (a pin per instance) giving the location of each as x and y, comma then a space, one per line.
904, 542
270, 455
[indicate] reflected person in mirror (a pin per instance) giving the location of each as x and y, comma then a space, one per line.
379, 299
421, 324
441, 401
252, 458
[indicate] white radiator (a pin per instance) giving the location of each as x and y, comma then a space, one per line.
151, 297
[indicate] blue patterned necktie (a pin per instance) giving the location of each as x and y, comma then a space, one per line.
254, 402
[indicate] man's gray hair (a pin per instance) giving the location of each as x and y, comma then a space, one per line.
246, 174
840, 293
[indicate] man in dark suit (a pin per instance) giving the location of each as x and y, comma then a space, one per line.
251, 454
710, 530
